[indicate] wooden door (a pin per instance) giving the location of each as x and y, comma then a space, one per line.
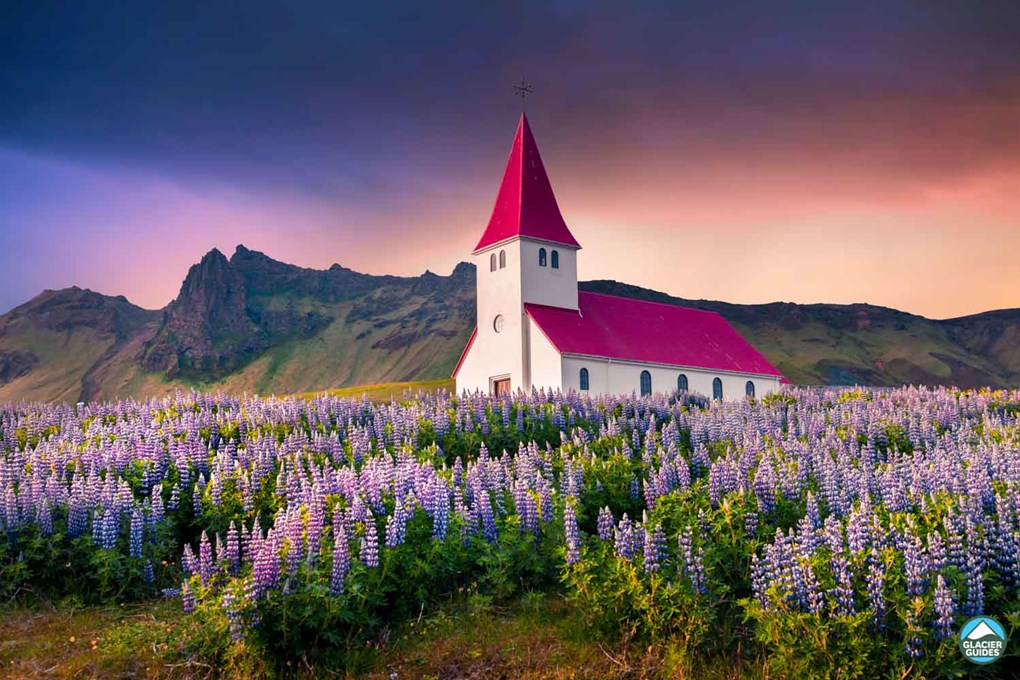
501, 388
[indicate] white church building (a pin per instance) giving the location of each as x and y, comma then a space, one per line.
536, 329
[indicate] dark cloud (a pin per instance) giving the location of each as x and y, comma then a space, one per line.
390, 111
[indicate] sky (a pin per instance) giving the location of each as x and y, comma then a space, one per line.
748, 152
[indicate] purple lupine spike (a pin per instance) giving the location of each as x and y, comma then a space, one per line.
913, 643
915, 568
571, 534
945, 610
654, 549
137, 525
187, 597
545, 502
812, 512
232, 553
876, 589
751, 523
188, 561
605, 524
370, 543
205, 559
692, 560
624, 538
231, 610
341, 562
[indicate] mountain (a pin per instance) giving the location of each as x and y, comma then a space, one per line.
251, 323
247, 323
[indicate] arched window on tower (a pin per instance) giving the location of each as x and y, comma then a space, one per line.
681, 383
502, 259
749, 389
584, 379
717, 389
555, 259
492, 263
541, 257
646, 383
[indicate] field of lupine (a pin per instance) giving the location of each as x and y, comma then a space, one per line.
827, 532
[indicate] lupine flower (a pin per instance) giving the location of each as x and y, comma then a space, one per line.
944, 610
231, 609
654, 549
913, 643
876, 589
370, 543
624, 538
205, 559
187, 597
571, 533
692, 560
137, 525
605, 524
341, 562
232, 553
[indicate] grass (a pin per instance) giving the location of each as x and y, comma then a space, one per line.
386, 391
538, 636
128, 641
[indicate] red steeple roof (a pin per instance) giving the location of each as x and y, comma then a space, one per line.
526, 205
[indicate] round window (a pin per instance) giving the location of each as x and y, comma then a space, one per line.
497, 323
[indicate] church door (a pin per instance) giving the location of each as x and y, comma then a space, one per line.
501, 388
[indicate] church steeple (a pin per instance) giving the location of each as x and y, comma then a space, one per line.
525, 204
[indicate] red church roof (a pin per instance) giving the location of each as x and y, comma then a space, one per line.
525, 204
635, 330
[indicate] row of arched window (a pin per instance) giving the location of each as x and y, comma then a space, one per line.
544, 259
554, 257
502, 261
681, 384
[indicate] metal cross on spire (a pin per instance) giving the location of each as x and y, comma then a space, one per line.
523, 89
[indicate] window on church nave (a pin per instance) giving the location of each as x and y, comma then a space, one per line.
749, 389
541, 257
502, 259
584, 379
492, 263
717, 389
646, 383
555, 259
681, 383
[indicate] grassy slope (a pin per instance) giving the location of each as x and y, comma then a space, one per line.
337, 357
537, 637
814, 353
64, 357
388, 391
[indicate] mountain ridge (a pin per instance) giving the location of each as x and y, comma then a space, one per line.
252, 323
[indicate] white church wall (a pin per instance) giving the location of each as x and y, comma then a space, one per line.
624, 377
546, 362
545, 285
499, 293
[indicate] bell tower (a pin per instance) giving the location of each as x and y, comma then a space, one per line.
525, 255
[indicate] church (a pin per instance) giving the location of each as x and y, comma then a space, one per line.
536, 329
